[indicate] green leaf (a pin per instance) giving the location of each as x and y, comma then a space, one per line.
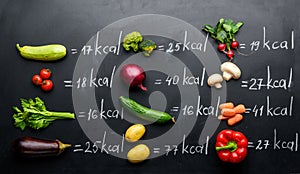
234, 29
35, 115
221, 36
24, 103
31, 103
221, 21
16, 109
219, 26
38, 124
19, 120
209, 29
229, 22
239, 24
227, 28
40, 104
21, 125
224, 31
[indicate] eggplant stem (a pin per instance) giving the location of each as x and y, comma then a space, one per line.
62, 146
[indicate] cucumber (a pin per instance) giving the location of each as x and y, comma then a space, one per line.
144, 112
50, 52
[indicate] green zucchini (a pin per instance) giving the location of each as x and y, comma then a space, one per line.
144, 112
50, 52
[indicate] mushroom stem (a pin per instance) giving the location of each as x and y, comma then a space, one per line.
218, 85
227, 76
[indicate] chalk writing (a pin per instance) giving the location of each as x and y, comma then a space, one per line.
102, 113
201, 110
272, 111
99, 146
94, 82
186, 79
276, 143
185, 46
256, 84
273, 45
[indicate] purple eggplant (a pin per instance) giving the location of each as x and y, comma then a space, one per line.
34, 147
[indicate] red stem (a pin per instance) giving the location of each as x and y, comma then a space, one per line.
142, 87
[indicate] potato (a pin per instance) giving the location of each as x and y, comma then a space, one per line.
138, 153
135, 132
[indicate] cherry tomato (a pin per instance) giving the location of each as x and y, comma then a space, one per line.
230, 54
221, 47
36, 80
45, 73
47, 85
234, 44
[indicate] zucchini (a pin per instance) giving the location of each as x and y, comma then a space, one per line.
50, 52
144, 112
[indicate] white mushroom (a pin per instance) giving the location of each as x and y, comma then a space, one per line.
230, 70
215, 80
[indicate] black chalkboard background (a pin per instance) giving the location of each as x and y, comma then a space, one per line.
74, 22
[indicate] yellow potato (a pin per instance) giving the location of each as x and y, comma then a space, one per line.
138, 153
135, 132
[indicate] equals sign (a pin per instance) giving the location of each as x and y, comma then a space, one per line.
248, 110
78, 148
68, 83
242, 46
156, 150
74, 51
175, 109
158, 82
244, 84
161, 48
81, 114
250, 144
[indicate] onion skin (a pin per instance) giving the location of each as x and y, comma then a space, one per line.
133, 76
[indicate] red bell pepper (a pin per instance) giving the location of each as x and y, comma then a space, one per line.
231, 146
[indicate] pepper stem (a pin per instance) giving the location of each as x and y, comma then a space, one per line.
231, 146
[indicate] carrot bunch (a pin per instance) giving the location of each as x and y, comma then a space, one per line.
231, 113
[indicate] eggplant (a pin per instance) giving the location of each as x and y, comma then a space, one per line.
35, 147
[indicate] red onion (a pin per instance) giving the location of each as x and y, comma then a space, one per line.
133, 75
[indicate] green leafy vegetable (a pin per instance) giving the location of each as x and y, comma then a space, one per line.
147, 46
35, 114
224, 32
132, 40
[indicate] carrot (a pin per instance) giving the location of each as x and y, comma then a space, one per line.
228, 112
222, 117
239, 109
233, 120
226, 105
